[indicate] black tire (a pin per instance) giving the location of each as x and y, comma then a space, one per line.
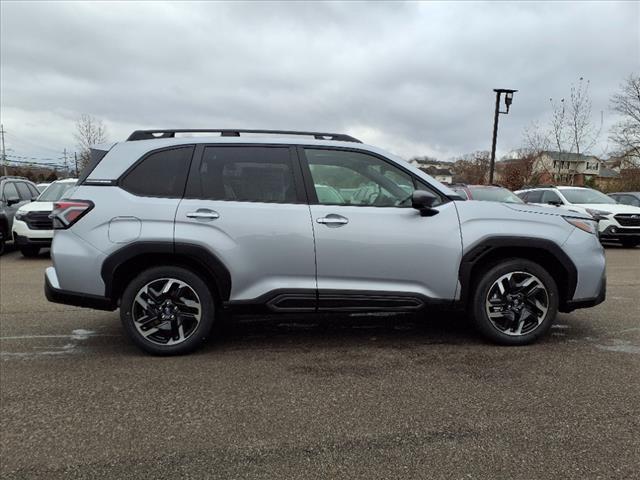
486, 284
130, 312
30, 252
2, 244
630, 242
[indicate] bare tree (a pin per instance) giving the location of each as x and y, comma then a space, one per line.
582, 130
625, 134
472, 168
571, 128
89, 131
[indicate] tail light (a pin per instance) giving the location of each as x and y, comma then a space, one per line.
67, 212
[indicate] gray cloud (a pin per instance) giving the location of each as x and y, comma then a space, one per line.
415, 78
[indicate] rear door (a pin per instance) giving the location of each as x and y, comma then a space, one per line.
373, 250
246, 204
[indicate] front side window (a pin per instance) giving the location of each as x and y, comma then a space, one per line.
247, 174
55, 191
586, 195
23, 191
628, 200
34, 191
160, 174
353, 178
549, 196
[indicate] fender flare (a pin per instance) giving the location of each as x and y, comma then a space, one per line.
191, 253
490, 245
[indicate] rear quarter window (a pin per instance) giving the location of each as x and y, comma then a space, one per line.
159, 174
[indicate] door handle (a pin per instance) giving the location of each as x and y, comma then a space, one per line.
203, 214
333, 220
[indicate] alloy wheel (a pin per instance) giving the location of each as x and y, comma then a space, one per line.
166, 311
517, 303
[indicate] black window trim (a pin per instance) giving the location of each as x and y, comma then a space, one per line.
311, 190
193, 190
120, 181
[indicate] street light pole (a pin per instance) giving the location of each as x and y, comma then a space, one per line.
507, 101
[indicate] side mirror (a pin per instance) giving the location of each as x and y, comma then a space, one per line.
423, 202
554, 202
12, 201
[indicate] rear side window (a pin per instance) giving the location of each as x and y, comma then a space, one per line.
10, 192
160, 174
247, 174
535, 196
23, 191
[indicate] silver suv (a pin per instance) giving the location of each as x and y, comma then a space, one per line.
173, 230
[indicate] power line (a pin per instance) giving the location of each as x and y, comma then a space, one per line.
20, 140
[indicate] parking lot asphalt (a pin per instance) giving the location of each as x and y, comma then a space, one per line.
319, 397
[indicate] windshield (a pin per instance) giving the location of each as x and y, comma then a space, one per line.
494, 194
55, 191
579, 195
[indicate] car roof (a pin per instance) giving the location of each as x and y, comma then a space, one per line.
66, 180
121, 154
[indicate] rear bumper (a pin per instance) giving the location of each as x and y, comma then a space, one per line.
55, 294
572, 305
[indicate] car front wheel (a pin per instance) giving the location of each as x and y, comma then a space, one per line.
167, 311
515, 302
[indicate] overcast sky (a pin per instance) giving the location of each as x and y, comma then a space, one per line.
414, 78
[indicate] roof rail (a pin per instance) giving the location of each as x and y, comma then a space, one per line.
152, 134
525, 187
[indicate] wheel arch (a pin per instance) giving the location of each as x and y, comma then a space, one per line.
122, 266
546, 253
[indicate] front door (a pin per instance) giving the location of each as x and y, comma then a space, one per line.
372, 248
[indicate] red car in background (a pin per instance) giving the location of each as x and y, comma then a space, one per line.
487, 193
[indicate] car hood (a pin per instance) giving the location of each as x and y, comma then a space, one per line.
36, 207
609, 207
544, 210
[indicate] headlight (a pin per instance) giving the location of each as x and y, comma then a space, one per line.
597, 214
583, 224
20, 215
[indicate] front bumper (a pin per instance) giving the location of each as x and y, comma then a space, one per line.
572, 305
55, 294
615, 232
22, 241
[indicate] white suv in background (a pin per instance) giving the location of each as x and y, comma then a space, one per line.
32, 227
616, 221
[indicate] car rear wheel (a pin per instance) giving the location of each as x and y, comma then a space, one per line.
167, 311
515, 302
30, 252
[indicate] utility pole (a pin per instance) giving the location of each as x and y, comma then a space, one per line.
4, 154
66, 166
75, 157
